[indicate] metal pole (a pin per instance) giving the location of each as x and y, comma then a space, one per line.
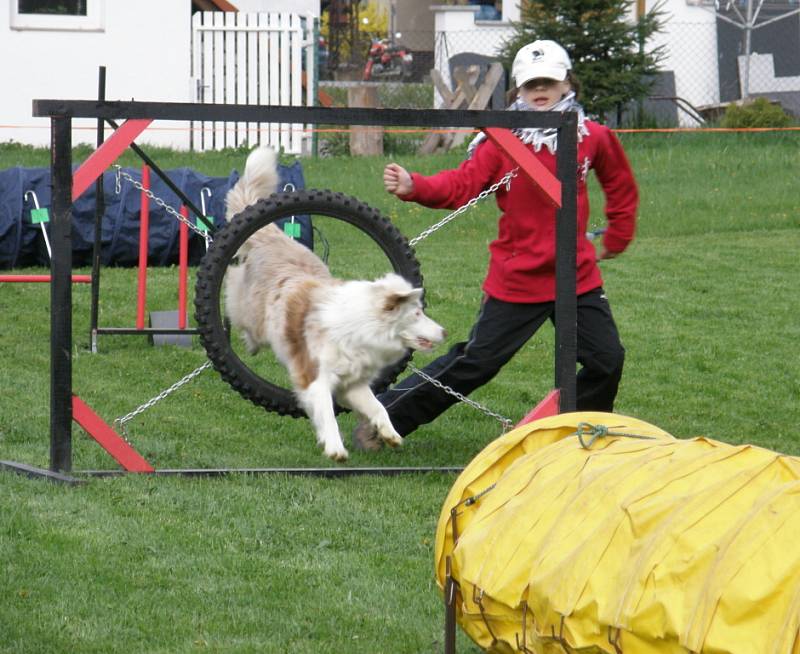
61, 295
314, 83
748, 36
449, 610
99, 210
144, 245
566, 255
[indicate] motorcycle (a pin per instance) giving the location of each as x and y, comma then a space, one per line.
387, 60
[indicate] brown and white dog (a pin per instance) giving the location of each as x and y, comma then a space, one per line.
333, 336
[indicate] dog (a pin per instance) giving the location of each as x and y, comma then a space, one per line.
333, 336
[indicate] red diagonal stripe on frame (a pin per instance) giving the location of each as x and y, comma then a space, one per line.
528, 163
549, 406
107, 154
109, 440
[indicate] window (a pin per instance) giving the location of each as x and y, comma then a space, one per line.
57, 15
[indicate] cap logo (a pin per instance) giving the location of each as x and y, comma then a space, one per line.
536, 55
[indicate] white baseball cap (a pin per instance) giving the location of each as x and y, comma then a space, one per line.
540, 59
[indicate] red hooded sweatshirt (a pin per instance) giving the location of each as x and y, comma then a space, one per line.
522, 257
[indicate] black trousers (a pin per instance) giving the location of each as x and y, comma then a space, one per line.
501, 329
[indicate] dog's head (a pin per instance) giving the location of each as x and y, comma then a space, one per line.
401, 305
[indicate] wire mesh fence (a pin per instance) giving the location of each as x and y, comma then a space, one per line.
707, 63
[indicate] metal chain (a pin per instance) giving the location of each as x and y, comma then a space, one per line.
170, 210
506, 422
120, 422
130, 416
505, 181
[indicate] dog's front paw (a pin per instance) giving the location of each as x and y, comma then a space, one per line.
337, 453
389, 436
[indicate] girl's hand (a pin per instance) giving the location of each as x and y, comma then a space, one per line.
396, 180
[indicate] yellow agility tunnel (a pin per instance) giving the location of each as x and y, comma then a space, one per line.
600, 533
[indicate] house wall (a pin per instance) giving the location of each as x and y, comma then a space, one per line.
301, 7
690, 36
144, 46
511, 11
457, 31
414, 20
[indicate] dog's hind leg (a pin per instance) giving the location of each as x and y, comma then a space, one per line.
317, 402
362, 400
250, 343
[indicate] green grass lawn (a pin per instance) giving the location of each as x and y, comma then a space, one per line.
706, 301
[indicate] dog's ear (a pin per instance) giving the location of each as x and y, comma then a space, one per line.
397, 298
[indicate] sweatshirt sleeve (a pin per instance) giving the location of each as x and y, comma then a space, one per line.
621, 193
450, 189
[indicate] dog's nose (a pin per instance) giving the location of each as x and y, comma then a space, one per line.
444, 334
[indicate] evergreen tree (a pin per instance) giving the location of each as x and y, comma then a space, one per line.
609, 52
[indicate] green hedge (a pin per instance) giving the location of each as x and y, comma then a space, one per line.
759, 113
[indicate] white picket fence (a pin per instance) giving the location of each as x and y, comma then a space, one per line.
261, 59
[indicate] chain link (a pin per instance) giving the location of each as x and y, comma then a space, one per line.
170, 210
505, 181
506, 422
130, 416
120, 422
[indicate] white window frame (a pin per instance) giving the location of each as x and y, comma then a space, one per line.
93, 21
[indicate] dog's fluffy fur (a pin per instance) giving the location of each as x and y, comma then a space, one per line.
333, 336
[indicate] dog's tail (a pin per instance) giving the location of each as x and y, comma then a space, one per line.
260, 180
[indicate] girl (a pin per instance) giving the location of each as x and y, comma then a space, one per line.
519, 289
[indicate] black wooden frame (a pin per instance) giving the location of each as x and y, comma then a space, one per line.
61, 113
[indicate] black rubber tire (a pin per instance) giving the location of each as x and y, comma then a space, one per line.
228, 240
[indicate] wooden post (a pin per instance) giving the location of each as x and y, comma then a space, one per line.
61, 294
365, 140
566, 311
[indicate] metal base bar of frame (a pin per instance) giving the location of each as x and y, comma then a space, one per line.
328, 473
331, 473
39, 473
149, 331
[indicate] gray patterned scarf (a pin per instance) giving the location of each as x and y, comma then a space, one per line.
540, 136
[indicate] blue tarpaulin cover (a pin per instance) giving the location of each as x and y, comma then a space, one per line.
22, 243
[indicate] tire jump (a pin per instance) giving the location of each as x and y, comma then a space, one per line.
222, 252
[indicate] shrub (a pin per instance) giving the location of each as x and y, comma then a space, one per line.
759, 113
